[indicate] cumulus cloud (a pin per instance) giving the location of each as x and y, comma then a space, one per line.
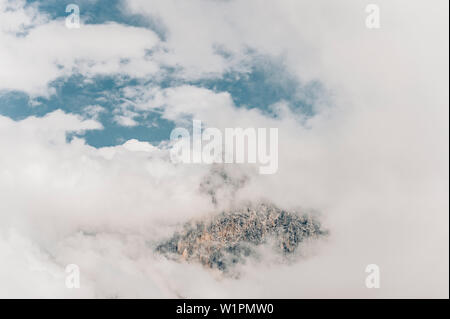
16, 17
374, 163
48, 50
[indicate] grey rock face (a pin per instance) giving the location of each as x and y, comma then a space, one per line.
230, 237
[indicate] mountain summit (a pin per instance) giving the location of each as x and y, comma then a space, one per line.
226, 239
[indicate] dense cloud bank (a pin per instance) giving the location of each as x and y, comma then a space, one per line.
373, 159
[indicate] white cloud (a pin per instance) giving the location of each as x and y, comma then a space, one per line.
16, 18
125, 120
375, 164
93, 111
49, 50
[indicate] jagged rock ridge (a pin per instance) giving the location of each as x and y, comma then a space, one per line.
228, 238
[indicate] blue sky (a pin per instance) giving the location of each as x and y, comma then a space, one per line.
264, 82
96, 12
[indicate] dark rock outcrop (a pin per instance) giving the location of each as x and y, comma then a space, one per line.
230, 237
